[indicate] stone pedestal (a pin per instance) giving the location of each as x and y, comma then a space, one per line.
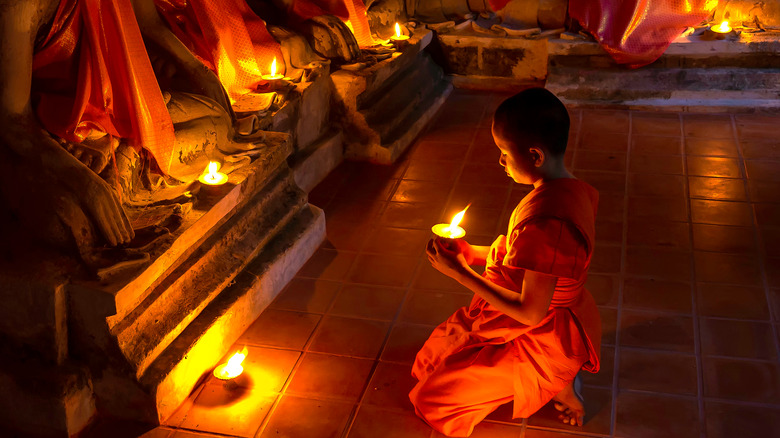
136, 343
382, 108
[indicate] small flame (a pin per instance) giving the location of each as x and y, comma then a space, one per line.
397, 30
273, 67
232, 368
213, 168
458, 217
723, 27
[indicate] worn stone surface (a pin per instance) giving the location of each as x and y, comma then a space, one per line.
488, 56
319, 159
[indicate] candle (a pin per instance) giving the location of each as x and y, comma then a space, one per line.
212, 176
228, 371
273, 76
723, 27
451, 230
398, 36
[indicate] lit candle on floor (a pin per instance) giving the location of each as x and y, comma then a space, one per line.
228, 371
212, 176
451, 230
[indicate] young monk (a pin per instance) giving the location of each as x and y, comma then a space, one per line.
531, 325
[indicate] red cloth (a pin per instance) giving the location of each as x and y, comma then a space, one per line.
228, 37
352, 11
637, 32
481, 358
92, 75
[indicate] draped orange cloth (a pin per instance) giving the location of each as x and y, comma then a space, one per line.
228, 37
352, 11
637, 32
92, 75
480, 358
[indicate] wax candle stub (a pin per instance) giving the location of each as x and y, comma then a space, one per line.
398, 36
723, 27
273, 76
212, 176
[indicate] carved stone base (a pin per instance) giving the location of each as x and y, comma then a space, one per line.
385, 106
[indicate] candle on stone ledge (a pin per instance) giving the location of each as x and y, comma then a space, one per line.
723, 27
451, 230
398, 39
273, 77
212, 176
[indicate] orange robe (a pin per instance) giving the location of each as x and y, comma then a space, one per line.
228, 37
481, 358
351, 11
92, 75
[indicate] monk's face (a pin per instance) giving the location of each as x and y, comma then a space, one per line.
521, 167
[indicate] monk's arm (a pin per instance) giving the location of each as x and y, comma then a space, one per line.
528, 307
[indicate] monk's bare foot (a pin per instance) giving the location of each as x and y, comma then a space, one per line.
569, 403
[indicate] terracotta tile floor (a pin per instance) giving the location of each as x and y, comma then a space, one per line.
686, 272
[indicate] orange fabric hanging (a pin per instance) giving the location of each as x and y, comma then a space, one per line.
228, 37
480, 358
92, 75
637, 32
353, 11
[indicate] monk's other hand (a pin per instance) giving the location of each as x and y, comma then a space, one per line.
445, 256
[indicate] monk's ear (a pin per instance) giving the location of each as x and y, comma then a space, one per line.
537, 156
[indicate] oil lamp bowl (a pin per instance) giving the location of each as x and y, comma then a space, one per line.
448, 232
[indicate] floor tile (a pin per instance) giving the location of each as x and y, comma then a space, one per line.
714, 167
484, 149
732, 301
367, 189
713, 147
649, 123
389, 387
481, 221
651, 184
721, 212
246, 410
409, 215
658, 263
742, 380
328, 264
726, 420
281, 328
659, 164
484, 175
600, 160
451, 134
707, 126
372, 422
763, 170
530, 432
672, 296
266, 370
720, 238
717, 188
604, 288
657, 331
487, 429
764, 191
655, 145
606, 120
760, 149
385, 270
767, 215
658, 371
770, 238
608, 325
672, 209
594, 140
605, 259
306, 295
427, 150
727, 268
396, 241
354, 210
438, 171
652, 415
349, 336
756, 130
478, 196
611, 206
373, 302
609, 231
432, 193
297, 417
655, 232
431, 307
330, 376
598, 410
347, 236
747, 339
405, 341
604, 182
429, 278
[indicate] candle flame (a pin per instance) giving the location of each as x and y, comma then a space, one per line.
458, 217
213, 168
273, 67
233, 367
723, 27
397, 30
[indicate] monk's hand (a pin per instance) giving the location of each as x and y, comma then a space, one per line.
446, 256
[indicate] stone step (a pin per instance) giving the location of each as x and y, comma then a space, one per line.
196, 350
187, 290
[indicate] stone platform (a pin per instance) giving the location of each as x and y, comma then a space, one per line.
382, 108
134, 344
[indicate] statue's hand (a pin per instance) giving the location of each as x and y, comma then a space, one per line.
102, 205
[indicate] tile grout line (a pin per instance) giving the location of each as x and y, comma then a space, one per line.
759, 241
697, 349
622, 281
